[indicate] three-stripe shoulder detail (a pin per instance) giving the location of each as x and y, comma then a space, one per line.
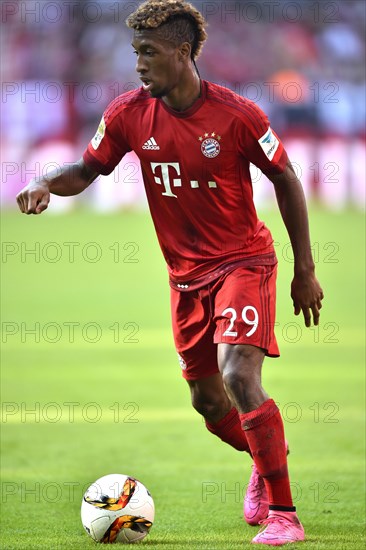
127, 99
244, 106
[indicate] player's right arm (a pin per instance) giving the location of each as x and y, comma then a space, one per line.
65, 181
102, 155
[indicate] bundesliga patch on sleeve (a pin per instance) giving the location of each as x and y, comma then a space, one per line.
99, 135
269, 143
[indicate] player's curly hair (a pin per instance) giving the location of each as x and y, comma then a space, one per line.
176, 21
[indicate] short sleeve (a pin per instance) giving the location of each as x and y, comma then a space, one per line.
259, 144
109, 144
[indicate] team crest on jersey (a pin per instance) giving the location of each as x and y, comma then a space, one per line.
99, 135
210, 145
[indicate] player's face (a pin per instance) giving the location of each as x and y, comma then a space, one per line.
159, 63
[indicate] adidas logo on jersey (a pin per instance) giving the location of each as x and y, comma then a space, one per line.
151, 144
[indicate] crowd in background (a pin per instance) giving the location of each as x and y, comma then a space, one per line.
303, 62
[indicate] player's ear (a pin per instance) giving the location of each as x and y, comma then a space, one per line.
185, 51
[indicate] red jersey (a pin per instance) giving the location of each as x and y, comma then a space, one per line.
195, 166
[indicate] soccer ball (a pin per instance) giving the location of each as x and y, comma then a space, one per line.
117, 508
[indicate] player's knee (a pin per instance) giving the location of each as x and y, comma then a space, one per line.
207, 408
207, 404
234, 378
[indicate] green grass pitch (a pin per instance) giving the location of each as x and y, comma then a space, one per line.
91, 385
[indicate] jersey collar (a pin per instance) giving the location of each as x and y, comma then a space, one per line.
192, 109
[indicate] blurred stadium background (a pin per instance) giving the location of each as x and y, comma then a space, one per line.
303, 62
62, 63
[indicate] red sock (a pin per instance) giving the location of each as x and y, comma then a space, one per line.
229, 430
265, 435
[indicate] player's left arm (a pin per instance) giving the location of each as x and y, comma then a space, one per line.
306, 291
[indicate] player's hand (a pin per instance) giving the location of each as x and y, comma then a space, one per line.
34, 198
307, 296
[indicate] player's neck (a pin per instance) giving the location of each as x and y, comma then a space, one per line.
184, 95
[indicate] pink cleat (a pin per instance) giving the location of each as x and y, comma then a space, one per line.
280, 528
255, 508
256, 499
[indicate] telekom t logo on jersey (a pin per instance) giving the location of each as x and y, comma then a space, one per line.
163, 171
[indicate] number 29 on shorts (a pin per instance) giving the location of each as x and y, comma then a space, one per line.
249, 314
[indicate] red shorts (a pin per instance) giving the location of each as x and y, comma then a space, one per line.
237, 308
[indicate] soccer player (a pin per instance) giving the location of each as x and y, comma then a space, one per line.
195, 141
